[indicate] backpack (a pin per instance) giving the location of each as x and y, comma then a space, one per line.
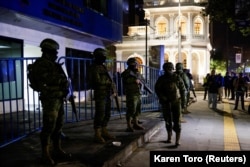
170, 88
185, 80
32, 77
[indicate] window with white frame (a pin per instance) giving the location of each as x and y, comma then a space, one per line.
198, 26
161, 26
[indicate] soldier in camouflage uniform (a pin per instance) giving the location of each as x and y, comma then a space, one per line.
170, 90
179, 71
104, 87
54, 88
131, 81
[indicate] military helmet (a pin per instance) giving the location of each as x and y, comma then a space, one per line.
168, 66
99, 53
179, 66
49, 44
131, 62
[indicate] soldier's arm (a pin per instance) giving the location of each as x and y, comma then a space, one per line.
158, 90
187, 82
100, 76
127, 78
182, 90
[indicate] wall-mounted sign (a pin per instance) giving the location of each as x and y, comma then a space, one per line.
238, 57
156, 56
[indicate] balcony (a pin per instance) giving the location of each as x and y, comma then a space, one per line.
138, 33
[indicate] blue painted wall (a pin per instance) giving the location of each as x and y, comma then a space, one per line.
74, 15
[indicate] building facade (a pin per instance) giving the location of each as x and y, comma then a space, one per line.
78, 26
181, 30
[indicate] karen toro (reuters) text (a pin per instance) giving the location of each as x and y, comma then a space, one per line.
208, 159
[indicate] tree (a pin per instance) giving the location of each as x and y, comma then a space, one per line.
233, 12
219, 65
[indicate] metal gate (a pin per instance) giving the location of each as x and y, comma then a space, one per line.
20, 108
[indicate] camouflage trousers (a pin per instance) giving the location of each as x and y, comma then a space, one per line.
53, 113
102, 110
133, 104
172, 115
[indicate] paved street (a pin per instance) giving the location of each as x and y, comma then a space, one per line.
204, 130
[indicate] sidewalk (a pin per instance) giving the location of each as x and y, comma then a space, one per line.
79, 142
203, 131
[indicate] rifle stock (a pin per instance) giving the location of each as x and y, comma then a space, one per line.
71, 99
118, 106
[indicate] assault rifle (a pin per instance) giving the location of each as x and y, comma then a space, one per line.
70, 97
116, 96
117, 105
142, 82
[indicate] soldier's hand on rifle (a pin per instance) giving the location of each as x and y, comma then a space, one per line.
113, 95
138, 81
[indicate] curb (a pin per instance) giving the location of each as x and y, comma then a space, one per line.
129, 149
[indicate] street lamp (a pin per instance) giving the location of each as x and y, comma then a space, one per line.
179, 34
147, 20
146, 41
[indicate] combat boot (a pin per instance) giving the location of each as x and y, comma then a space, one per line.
98, 136
243, 105
139, 122
58, 152
177, 140
129, 125
46, 158
185, 111
136, 125
106, 135
169, 136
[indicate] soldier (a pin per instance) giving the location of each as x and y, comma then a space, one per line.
131, 81
191, 81
53, 90
103, 86
170, 90
183, 75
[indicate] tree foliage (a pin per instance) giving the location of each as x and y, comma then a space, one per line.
219, 65
224, 12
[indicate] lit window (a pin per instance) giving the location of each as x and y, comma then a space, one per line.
161, 28
198, 27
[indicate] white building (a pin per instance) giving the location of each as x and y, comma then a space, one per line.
192, 47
